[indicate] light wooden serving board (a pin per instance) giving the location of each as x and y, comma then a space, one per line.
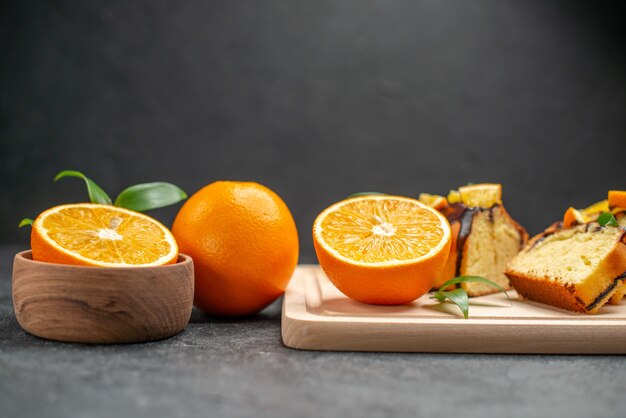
316, 316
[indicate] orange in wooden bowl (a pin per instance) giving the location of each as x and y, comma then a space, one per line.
382, 249
91, 304
101, 235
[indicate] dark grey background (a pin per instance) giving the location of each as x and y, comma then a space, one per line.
315, 99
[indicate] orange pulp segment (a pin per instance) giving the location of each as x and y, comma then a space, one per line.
483, 195
454, 197
433, 200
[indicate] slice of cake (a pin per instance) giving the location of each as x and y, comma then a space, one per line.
484, 237
577, 268
614, 204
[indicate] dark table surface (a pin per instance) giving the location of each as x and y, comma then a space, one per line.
241, 369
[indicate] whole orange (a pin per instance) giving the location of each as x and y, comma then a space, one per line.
244, 245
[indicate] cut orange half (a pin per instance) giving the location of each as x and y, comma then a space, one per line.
101, 235
382, 249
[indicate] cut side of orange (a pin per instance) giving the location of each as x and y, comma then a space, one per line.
381, 230
433, 200
101, 235
483, 195
382, 249
617, 199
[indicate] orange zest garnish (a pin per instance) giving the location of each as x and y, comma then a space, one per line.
573, 217
484, 195
433, 200
617, 210
617, 199
454, 197
597, 208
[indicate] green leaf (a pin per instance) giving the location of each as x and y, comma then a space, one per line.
607, 219
25, 221
476, 279
147, 196
364, 194
96, 194
457, 296
439, 296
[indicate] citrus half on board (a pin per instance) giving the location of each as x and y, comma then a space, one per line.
384, 250
244, 245
101, 235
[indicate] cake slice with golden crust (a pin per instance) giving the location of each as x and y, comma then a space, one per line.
577, 268
487, 240
484, 236
614, 204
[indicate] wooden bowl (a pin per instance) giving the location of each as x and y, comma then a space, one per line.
101, 304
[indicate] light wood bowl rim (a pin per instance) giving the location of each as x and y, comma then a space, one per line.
26, 256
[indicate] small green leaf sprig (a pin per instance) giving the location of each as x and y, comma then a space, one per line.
607, 218
459, 296
140, 197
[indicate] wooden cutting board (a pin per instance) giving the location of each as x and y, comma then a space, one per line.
316, 316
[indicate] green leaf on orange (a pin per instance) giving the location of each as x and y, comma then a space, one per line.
96, 194
147, 196
25, 221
